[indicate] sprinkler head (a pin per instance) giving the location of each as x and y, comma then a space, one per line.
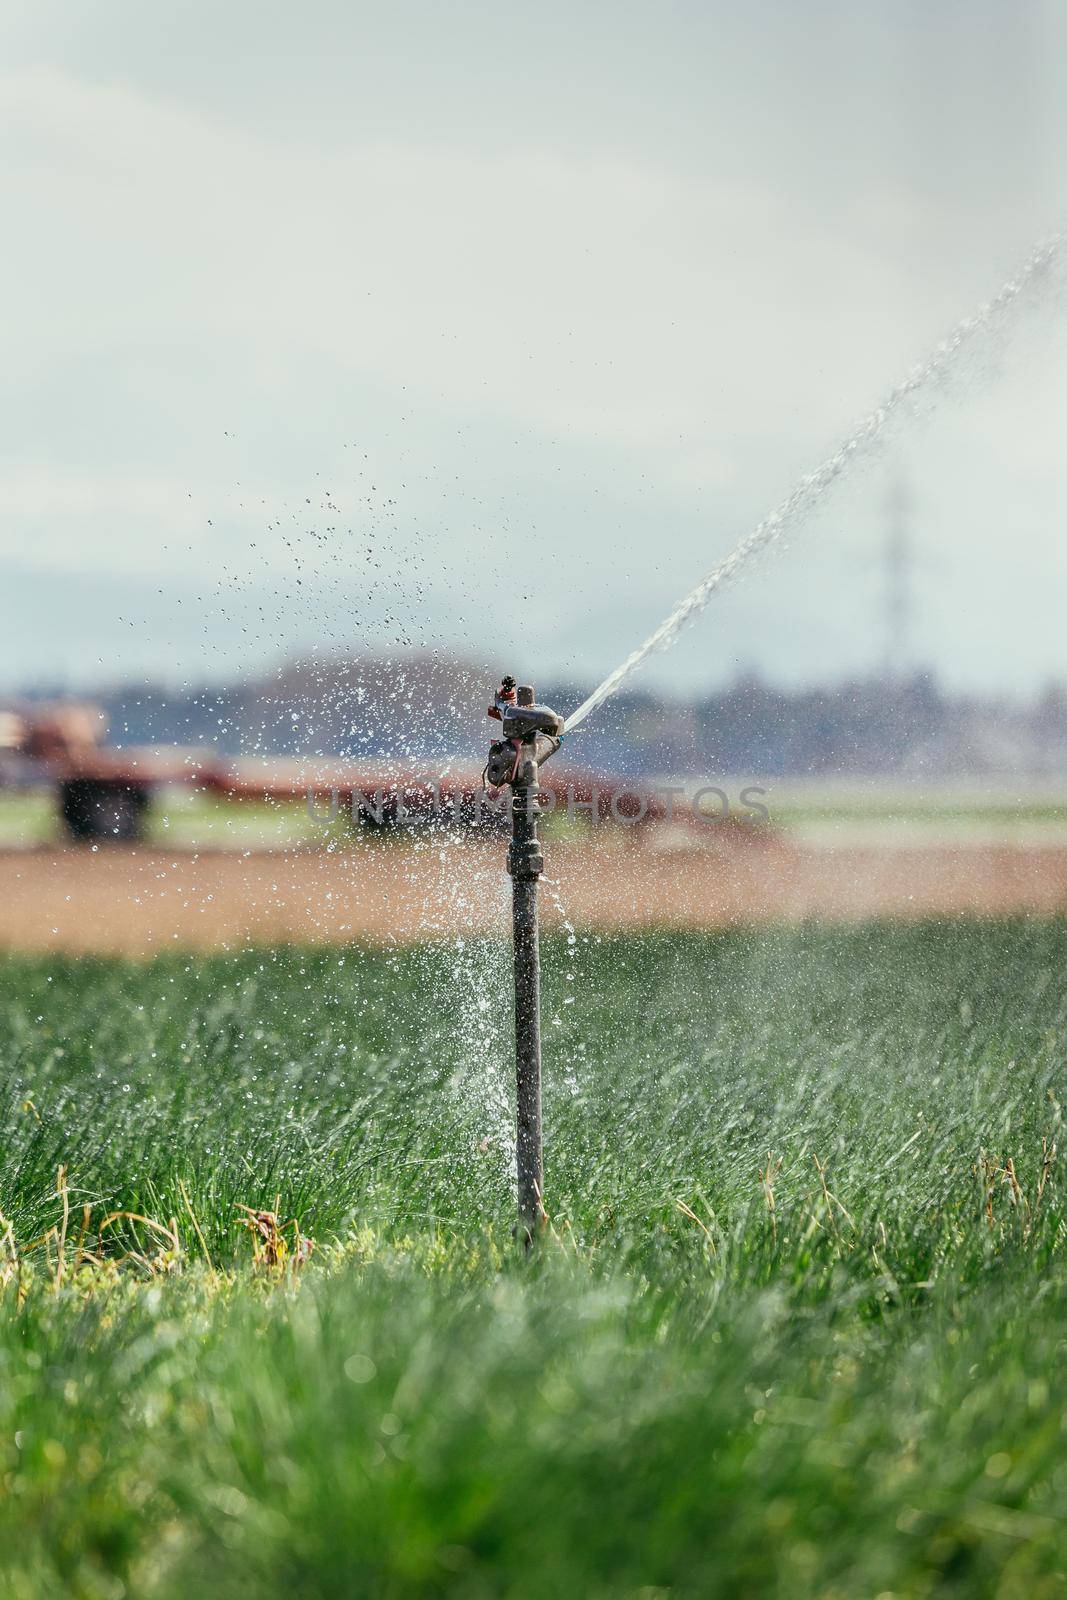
525, 718
532, 734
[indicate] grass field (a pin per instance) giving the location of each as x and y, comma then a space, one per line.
180, 819
797, 1329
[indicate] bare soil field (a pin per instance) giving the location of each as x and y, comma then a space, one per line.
136, 900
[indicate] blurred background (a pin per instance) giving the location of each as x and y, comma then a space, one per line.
355, 355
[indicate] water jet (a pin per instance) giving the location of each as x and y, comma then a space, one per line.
929, 378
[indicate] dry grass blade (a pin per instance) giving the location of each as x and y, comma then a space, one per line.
687, 1211
1048, 1156
195, 1223
270, 1248
166, 1259
830, 1199
63, 1191
11, 1267
767, 1176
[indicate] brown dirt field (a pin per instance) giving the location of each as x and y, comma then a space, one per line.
136, 900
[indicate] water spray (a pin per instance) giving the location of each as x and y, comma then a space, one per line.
531, 735
991, 320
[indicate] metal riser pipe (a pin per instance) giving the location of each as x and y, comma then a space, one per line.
528, 1149
532, 735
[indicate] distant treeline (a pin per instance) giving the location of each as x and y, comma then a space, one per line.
425, 708
869, 726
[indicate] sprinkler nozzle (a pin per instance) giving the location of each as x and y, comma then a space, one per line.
524, 721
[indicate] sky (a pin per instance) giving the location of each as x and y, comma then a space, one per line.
488, 329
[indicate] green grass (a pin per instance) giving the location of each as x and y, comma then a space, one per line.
844, 1383
28, 817
789, 813
180, 819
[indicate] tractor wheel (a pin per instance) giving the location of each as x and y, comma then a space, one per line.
102, 808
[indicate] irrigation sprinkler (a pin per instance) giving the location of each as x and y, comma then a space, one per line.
531, 735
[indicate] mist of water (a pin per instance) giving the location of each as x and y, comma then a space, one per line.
989, 321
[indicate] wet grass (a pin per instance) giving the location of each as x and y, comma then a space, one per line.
796, 1328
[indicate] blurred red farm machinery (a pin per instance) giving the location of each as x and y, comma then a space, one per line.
103, 792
